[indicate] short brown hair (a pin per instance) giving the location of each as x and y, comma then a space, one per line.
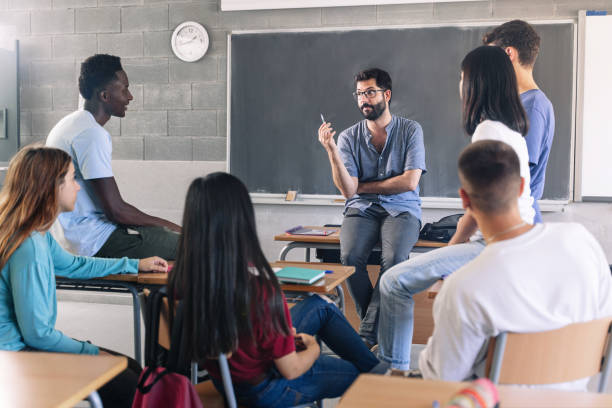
518, 34
490, 173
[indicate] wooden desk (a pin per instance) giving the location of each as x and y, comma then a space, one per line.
330, 283
376, 390
29, 379
332, 241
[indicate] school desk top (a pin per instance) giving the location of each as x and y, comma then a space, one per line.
325, 285
32, 379
376, 390
335, 238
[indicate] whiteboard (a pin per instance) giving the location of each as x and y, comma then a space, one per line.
594, 126
229, 5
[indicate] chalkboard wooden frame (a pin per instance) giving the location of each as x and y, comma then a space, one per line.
428, 201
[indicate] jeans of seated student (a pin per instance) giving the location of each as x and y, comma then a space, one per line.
329, 376
401, 283
360, 232
140, 242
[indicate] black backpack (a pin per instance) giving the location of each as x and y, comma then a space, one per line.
441, 230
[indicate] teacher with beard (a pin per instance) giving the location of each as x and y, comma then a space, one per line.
376, 164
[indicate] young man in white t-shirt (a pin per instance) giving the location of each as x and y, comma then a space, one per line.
102, 224
529, 278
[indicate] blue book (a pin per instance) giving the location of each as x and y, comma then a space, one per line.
292, 274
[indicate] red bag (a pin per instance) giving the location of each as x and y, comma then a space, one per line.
160, 388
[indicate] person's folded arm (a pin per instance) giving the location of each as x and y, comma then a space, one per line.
120, 212
407, 181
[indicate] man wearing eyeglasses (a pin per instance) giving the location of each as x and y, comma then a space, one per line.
376, 165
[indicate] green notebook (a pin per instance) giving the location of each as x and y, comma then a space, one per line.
291, 274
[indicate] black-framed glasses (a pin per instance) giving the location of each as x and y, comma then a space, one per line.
370, 93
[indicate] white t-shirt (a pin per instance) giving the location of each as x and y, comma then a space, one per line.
492, 130
551, 276
86, 228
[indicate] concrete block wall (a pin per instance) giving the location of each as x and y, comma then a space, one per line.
179, 108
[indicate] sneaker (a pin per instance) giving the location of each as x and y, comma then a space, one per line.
394, 372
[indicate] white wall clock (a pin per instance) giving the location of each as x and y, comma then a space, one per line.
189, 41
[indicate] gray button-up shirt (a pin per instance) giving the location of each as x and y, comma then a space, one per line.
403, 150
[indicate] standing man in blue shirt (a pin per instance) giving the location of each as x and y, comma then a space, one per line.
102, 224
522, 45
376, 165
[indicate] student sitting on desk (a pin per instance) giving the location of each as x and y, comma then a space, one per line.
377, 166
102, 224
491, 110
529, 278
40, 184
233, 304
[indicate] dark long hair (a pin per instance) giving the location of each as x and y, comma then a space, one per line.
29, 198
221, 274
490, 90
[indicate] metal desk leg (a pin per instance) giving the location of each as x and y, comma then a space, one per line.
194, 372
307, 254
340, 292
285, 251
94, 400
136, 309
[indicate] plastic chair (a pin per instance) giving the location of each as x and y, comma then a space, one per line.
573, 352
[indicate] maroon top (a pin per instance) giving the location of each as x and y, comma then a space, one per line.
254, 358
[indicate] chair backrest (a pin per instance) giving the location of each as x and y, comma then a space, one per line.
570, 353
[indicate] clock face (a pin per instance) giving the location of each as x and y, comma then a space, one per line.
190, 41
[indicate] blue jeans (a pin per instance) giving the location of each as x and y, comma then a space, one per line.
359, 234
329, 376
401, 283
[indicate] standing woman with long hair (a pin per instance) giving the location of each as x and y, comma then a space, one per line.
40, 184
232, 303
492, 110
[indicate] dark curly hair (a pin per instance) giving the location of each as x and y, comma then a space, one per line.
383, 79
96, 72
518, 34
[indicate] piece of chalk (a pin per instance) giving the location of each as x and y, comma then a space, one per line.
322, 118
328, 271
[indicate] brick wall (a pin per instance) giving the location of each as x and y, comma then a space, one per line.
178, 111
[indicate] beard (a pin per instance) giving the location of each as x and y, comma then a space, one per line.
375, 110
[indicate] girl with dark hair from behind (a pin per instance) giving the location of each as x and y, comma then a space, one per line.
233, 304
492, 110
39, 185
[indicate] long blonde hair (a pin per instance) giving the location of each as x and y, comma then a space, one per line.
29, 198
